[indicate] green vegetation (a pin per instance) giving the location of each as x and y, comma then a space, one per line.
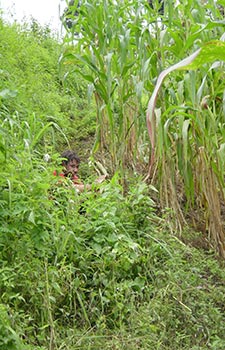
33, 88
122, 48
109, 268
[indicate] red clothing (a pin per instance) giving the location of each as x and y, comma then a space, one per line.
75, 179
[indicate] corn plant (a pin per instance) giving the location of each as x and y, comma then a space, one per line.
190, 141
112, 47
120, 48
189, 122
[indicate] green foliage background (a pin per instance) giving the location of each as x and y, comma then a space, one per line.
103, 269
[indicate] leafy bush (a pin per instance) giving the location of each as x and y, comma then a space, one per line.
8, 338
101, 260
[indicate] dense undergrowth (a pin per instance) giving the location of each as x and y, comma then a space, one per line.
96, 270
33, 87
80, 271
100, 269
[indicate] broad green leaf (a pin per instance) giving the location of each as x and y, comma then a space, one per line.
185, 140
221, 2
210, 52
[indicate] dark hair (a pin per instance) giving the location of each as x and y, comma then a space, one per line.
69, 155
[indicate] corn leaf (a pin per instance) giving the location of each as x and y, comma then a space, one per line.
210, 52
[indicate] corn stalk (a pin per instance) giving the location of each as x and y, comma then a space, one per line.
194, 146
114, 52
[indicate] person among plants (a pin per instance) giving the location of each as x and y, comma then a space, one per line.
70, 163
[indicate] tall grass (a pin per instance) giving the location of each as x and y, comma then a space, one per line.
120, 48
113, 53
196, 141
